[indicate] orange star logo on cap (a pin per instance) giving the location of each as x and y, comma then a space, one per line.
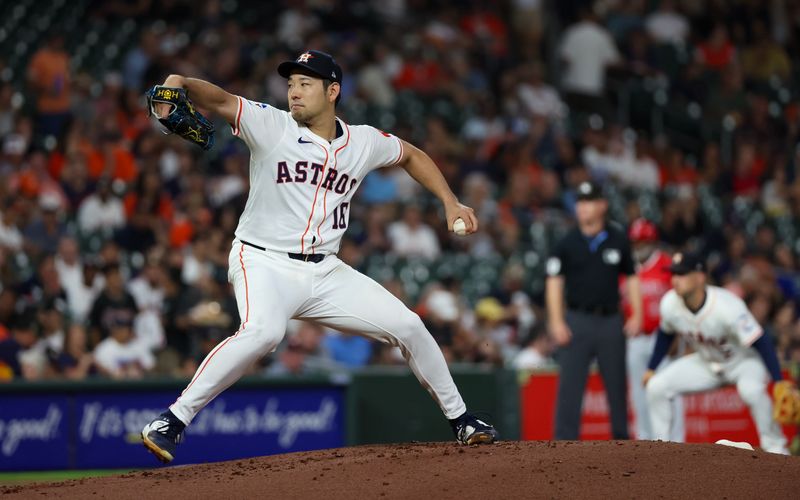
304, 57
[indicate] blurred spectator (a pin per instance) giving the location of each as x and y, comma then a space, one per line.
491, 326
12, 350
46, 231
440, 311
73, 362
667, 25
717, 52
350, 351
676, 172
411, 237
49, 79
587, 49
120, 356
101, 211
538, 97
81, 294
68, 264
148, 293
10, 235
764, 58
114, 306
536, 354
680, 219
138, 59
375, 78
302, 353
51, 339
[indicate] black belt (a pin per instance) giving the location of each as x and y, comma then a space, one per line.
600, 310
305, 257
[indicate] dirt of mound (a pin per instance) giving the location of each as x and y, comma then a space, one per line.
532, 469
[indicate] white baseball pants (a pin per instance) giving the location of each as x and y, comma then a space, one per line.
271, 288
693, 374
638, 353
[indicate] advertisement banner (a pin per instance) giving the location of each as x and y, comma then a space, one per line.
102, 429
237, 424
34, 432
709, 416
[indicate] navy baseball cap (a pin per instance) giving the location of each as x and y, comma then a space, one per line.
685, 263
317, 63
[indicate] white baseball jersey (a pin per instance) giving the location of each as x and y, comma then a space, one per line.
722, 331
300, 190
301, 184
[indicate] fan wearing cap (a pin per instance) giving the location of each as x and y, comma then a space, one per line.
654, 281
730, 348
305, 166
583, 273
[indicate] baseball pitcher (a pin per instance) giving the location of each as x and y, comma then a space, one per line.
305, 167
730, 348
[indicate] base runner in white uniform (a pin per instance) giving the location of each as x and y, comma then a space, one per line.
730, 348
305, 166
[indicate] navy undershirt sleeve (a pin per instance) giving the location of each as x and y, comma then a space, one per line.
767, 352
663, 343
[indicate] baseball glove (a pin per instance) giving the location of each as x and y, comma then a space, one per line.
786, 408
182, 119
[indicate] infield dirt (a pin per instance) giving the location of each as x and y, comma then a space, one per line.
529, 469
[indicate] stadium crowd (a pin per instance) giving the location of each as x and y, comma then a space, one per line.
114, 237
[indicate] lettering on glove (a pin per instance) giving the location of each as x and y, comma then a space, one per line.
183, 119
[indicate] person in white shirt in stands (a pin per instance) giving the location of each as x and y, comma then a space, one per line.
666, 25
587, 49
101, 210
120, 356
536, 354
536, 96
147, 291
411, 237
68, 263
82, 294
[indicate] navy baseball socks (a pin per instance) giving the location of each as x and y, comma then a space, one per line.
162, 436
165, 432
470, 430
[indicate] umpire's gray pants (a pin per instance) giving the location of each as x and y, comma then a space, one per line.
592, 336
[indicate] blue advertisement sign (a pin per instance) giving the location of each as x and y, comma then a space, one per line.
34, 432
102, 430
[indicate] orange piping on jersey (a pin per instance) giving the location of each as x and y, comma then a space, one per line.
314, 203
241, 328
325, 196
238, 118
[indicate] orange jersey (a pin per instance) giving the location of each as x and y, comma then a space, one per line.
654, 282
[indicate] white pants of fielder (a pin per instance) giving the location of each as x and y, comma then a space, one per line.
638, 353
693, 374
271, 289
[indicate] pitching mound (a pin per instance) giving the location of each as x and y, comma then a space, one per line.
534, 469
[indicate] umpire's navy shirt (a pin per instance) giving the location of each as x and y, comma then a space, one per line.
591, 266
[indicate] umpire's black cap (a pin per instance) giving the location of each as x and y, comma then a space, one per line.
685, 263
316, 62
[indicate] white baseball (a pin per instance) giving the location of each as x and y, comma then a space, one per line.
459, 227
